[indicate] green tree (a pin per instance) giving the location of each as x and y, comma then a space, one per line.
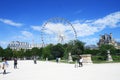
92, 52
1, 51
21, 53
58, 50
27, 54
117, 51
16, 54
104, 48
76, 47
65, 46
40, 52
8, 53
46, 52
35, 51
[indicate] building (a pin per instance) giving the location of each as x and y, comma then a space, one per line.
108, 39
17, 45
91, 47
38, 45
118, 45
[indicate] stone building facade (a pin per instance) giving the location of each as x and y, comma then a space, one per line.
17, 45
108, 40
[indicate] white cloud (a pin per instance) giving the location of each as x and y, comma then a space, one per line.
111, 20
10, 22
23, 36
90, 27
83, 28
118, 39
3, 44
27, 34
89, 41
37, 28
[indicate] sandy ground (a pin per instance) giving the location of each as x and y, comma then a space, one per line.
27, 70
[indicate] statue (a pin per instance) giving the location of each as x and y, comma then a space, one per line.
61, 38
70, 58
109, 56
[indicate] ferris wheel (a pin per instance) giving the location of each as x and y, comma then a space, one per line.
57, 30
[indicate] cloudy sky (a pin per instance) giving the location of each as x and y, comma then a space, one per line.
23, 20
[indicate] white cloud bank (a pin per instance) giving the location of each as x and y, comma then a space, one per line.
10, 22
24, 35
90, 27
83, 29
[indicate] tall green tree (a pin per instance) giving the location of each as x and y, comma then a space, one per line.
76, 47
46, 52
21, 53
1, 51
40, 52
27, 53
65, 46
35, 51
58, 50
8, 53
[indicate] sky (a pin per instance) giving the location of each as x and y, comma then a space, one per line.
58, 20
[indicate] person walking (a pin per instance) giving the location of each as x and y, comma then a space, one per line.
15, 63
4, 65
57, 59
80, 61
35, 60
0, 66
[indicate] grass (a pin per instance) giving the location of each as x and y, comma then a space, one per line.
97, 62
94, 61
62, 61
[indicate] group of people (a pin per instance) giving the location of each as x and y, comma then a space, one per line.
4, 65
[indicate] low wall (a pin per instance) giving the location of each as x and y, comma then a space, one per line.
86, 58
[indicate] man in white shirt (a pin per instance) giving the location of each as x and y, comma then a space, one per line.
80, 61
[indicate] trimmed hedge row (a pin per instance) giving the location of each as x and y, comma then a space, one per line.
116, 58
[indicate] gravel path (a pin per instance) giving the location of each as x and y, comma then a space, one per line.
27, 70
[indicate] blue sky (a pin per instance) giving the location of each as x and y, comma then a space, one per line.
22, 20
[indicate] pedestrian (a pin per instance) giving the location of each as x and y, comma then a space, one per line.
80, 61
0, 66
76, 63
4, 65
15, 63
35, 61
57, 60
